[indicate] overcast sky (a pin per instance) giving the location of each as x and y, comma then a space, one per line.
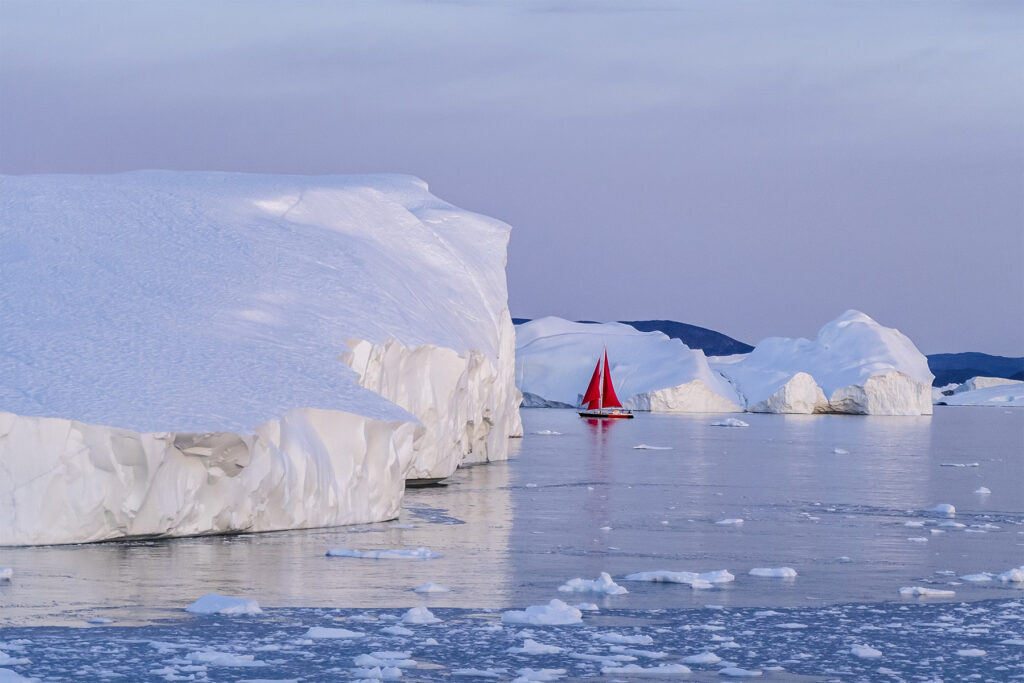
753, 167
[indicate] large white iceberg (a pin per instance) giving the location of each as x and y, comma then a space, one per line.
854, 366
190, 353
986, 391
555, 359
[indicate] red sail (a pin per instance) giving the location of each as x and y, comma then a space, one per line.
610, 399
593, 393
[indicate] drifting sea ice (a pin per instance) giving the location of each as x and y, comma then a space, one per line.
732, 521
603, 584
943, 509
774, 572
645, 447
532, 647
554, 613
636, 671
6, 573
729, 422
325, 633
922, 592
621, 639
419, 615
695, 580
212, 603
389, 554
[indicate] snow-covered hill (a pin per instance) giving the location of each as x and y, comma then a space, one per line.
854, 365
173, 350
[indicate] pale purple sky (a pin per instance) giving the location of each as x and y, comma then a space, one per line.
756, 168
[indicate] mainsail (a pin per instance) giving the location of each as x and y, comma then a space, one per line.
600, 392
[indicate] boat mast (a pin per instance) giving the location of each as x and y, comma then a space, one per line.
600, 394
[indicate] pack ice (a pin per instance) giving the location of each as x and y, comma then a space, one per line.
855, 365
192, 353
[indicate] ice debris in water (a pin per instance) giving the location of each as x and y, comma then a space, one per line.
603, 584
732, 521
398, 660
694, 580
419, 615
983, 577
729, 422
214, 658
532, 647
774, 572
529, 675
636, 671
840, 451
645, 447
1015, 575
554, 613
548, 432
6, 573
431, 587
919, 591
212, 603
325, 633
737, 672
983, 490
943, 509
960, 464
620, 639
703, 658
389, 554
865, 652
99, 620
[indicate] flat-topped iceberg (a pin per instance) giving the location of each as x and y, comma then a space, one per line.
994, 392
555, 359
854, 365
191, 353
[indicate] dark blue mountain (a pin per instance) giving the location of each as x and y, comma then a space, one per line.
960, 367
711, 342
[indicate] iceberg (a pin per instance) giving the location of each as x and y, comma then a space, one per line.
853, 366
555, 359
986, 391
219, 352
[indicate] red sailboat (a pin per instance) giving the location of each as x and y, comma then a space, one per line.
600, 398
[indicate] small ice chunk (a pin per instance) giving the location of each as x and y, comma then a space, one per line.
774, 572
6, 573
840, 451
528, 675
943, 509
792, 625
554, 613
388, 554
731, 521
214, 658
865, 652
695, 580
918, 539
212, 603
703, 658
960, 464
729, 422
972, 652
431, 587
586, 607
1012, 641
983, 490
919, 591
532, 647
1015, 575
645, 447
397, 630
914, 524
99, 620
419, 615
952, 525
603, 584
620, 639
737, 672
547, 432
376, 673
983, 577
479, 673
636, 671
325, 633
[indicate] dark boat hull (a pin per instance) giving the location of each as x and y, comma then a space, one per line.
619, 415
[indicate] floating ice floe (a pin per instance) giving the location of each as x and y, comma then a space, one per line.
918, 539
389, 554
528, 675
960, 464
397, 630
732, 521
1015, 575
636, 671
431, 587
532, 647
419, 615
971, 652
922, 592
554, 613
983, 490
943, 509
737, 672
603, 584
645, 447
212, 603
479, 673
6, 573
623, 639
793, 625
694, 580
996, 392
703, 658
729, 422
586, 607
865, 652
214, 658
983, 577
327, 633
384, 659
388, 673
840, 451
774, 572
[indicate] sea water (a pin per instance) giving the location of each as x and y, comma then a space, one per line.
845, 501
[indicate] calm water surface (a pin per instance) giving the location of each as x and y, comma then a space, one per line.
827, 495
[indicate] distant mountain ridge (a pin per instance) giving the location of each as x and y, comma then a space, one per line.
956, 368
710, 342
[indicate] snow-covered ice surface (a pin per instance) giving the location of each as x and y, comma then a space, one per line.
505, 546
145, 319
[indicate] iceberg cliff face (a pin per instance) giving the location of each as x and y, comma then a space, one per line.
854, 366
173, 339
555, 359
